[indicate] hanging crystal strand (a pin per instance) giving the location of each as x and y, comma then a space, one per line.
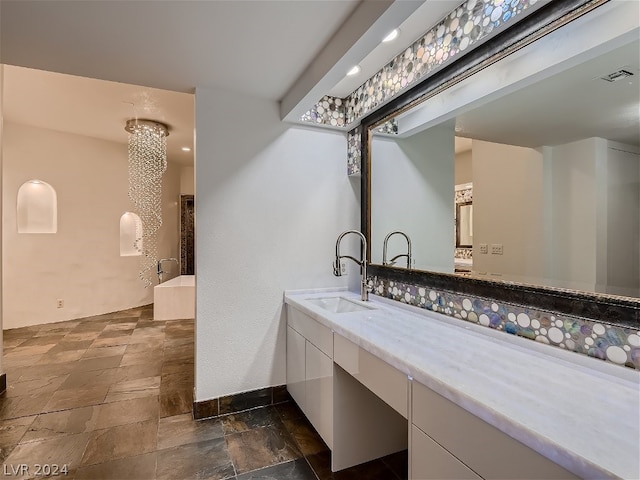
147, 164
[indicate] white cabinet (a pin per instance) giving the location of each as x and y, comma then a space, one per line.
296, 365
319, 385
483, 448
430, 461
378, 376
310, 370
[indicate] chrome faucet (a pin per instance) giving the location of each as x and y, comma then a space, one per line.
393, 260
337, 271
160, 271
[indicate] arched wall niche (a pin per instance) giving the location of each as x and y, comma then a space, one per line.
130, 235
37, 207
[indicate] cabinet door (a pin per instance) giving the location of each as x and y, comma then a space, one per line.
430, 461
319, 395
296, 367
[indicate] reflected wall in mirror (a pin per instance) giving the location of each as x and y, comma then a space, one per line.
464, 225
555, 168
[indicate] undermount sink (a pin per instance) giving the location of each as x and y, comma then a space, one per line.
339, 304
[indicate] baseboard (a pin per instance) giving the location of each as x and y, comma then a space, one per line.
240, 401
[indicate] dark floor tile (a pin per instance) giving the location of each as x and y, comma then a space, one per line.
30, 350
98, 352
141, 467
61, 357
87, 379
75, 398
280, 394
142, 344
5, 452
130, 389
90, 325
22, 406
175, 402
245, 401
203, 460
176, 381
128, 411
10, 343
111, 341
122, 441
44, 340
59, 424
123, 327
35, 386
308, 440
134, 372
78, 336
35, 372
294, 470
398, 463
71, 345
247, 420
183, 429
374, 470
261, 447
59, 451
141, 358
97, 363
289, 411
20, 361
12, 431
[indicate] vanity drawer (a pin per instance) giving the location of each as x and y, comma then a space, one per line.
485, 449
386, 382
312, 330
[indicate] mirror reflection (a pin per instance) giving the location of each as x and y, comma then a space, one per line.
540, 186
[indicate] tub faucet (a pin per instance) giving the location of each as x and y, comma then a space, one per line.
393, 260
160, 271
337, 271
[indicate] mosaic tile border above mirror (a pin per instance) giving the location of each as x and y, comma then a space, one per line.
612, 343
463, 29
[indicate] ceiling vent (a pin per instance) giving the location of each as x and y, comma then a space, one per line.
618, 75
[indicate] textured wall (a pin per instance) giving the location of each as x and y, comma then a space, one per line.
81, 263
272, 200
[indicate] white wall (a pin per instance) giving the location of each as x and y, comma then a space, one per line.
272, 199
464, 172
81, 263
508, 209
187, 181
573, 216
412, 190
623, 220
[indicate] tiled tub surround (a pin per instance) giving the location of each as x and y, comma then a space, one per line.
613, 343
582, 414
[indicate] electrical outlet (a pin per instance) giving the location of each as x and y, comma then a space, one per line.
60, 303
484, 248
496, 249
343, 268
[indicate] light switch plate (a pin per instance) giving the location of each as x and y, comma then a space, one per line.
484, 248
496, 249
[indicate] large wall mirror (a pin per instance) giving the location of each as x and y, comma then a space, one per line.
549, 139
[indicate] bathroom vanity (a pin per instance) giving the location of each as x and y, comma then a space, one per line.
468, 402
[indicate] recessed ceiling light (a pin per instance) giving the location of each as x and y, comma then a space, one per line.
354, 70
186, 149
391, 36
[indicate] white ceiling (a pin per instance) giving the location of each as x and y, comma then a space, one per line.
96, 108
108, 55
569, 106
255, 47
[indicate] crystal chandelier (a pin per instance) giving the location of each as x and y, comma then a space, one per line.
147, 164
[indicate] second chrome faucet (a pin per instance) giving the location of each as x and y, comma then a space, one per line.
393, 260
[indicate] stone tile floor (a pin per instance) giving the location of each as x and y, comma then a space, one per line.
111, 396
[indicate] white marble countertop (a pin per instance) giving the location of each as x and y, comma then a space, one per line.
580, 412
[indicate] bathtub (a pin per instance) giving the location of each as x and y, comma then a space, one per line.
175, 299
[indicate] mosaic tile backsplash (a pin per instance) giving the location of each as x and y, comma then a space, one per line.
611, 343
354, 165
460, 31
